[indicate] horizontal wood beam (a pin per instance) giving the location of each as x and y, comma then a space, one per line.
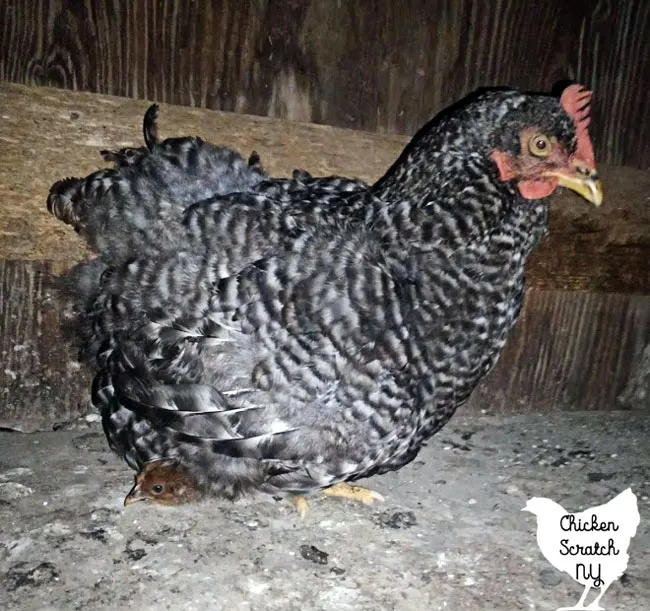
598, 250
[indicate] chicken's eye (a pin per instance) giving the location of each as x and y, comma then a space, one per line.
157, 488
540, 145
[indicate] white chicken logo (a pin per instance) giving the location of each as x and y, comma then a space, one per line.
591, 546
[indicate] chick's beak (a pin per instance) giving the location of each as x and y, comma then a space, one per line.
134, 496
583, 181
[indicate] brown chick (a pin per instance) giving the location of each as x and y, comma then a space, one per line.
164, 482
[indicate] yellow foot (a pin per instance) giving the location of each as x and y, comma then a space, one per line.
354, 493
343, 490
301, 504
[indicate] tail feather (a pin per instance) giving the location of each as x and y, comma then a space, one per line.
63, 201
264, 447
195, 415
124, 157
150, 127
129, 156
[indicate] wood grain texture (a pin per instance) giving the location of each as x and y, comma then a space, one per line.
572, 351
381, 66
41, 382
47, 134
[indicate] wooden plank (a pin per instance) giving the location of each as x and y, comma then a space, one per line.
573, 350
47, 134
50, 133
381, 66
41, 381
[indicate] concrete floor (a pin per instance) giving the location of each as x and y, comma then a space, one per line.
450, 535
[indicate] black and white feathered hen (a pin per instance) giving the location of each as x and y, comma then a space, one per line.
295, 334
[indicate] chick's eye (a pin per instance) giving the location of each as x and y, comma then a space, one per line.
157, 488
540, 145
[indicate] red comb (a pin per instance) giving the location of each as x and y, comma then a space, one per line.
576, 101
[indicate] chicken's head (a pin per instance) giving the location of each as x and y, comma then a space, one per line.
165, 482
543, 147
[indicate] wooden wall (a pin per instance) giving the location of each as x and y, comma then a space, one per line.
377, 65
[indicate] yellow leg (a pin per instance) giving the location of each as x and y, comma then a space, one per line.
342, 490
301, 504
354, 493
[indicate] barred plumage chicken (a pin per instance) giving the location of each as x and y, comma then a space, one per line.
296, 334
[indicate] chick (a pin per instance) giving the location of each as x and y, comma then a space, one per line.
165, 482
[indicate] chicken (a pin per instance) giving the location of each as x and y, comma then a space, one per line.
168, 483
590, 546
308, 332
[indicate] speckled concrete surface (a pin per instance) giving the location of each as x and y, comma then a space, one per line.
450, 535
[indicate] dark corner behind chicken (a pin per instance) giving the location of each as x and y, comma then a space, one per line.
287, 335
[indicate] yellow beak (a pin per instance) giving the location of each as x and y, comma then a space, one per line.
587, 185
134, 496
